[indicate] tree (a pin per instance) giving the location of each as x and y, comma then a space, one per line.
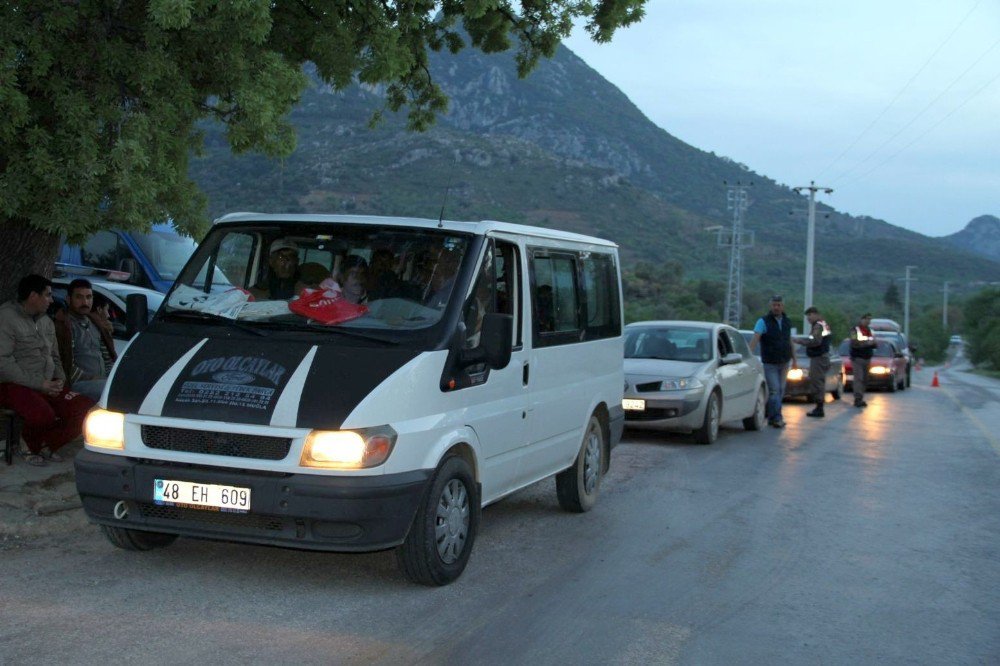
100, 101
891, 298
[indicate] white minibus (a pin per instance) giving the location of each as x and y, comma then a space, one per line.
351, 383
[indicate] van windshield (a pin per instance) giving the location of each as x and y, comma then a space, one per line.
350, 275
167, 251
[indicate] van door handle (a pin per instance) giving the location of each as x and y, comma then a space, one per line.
524, 374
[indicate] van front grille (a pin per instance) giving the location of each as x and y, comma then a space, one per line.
221, 518
216, 443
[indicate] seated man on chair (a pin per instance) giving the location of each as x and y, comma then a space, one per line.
84, 341
32, 380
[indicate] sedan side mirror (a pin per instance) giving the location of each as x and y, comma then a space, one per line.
731, 359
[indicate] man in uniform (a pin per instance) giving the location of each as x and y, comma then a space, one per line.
817, 345
773, 332
863, 345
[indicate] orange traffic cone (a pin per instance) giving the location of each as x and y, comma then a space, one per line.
935, 382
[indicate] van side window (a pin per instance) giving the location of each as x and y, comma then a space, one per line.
600, 288
555, 299
495, 290
234, 259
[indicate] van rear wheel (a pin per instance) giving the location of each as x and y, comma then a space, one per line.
128, 539
437, 548
577, 487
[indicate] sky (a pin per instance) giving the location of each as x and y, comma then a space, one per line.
894, 104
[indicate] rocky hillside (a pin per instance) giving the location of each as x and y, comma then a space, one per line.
981, 235
563, 148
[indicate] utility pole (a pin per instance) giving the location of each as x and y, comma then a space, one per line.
810, 241
737, 201
944, 312
906, 302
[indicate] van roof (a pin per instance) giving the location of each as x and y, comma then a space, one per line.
479, 228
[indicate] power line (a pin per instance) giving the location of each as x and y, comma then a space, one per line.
901, 91
925, 132
919, 113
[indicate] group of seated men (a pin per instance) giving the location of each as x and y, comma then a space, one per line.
52, 369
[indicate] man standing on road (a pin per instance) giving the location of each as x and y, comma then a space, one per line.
817, 345
31, 375
774, 333
863, 345
84, 341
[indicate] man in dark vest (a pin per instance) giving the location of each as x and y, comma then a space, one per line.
773, 332
817, 345
863, 345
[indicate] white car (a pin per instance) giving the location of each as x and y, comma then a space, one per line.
114, 292
691, 376
955, 340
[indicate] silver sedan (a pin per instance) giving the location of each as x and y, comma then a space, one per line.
691, 376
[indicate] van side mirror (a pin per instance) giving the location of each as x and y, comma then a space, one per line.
497, 339
731, 359
136, 314
495, 342
130, 266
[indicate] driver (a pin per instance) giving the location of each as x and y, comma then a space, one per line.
282, 277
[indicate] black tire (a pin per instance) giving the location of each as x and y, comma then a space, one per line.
438, 546
577, 487
837, 392
129, 539
892, 384
908, 384
709, 430
756, 420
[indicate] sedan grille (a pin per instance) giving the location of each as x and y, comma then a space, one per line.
216, 443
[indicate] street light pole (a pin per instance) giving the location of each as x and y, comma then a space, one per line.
944, 312
906, 302
810, 242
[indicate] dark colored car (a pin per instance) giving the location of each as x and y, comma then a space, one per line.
797, 381
887, 369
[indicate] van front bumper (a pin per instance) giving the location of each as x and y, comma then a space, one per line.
307, 511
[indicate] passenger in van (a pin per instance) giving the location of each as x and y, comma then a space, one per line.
353, 278
85, 343
442, 278
311, 274
32, 381
544, 309
282, 278
383, 281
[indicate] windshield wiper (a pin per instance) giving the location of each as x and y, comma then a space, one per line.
209, 316
343, 331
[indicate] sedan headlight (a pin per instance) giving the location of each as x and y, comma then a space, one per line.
795, 374
348, 449
879, 370
680, 384
104, 429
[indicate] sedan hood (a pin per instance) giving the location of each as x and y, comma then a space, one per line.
640, 370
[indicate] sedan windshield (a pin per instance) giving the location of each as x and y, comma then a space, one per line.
309, 274
680, 343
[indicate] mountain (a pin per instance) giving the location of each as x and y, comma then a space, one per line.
981, 235
564, 148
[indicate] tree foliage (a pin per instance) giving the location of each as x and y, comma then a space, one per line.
982, 328
100, 100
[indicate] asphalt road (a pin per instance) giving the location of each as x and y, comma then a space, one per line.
867, 537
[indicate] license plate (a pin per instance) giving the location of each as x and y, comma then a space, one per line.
633, 405
201, 495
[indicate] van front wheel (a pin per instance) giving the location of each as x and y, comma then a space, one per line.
440, 540
578, 486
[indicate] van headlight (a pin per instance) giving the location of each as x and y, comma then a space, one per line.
104, 429
348, 449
